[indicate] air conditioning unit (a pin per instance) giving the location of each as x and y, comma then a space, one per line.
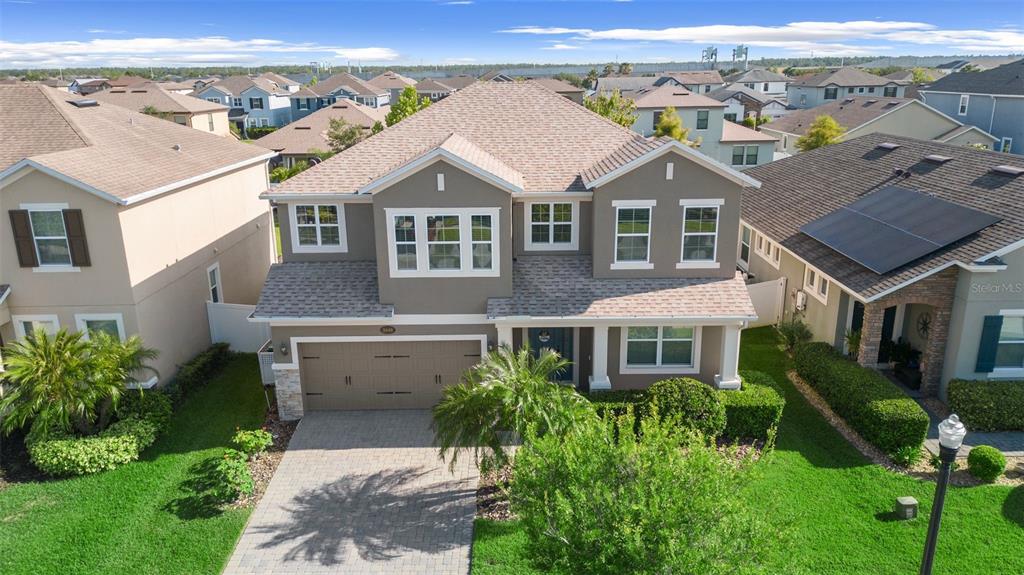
801, 300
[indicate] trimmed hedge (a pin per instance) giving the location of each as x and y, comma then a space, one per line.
64, 454
695, 404
615, 404
755, 410
154, 405
988, 405
197, 372
986, 463
879, 411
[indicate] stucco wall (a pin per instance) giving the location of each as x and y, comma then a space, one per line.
1003, 121
585, 223
283, 334
710, 361
912, 121
359, 234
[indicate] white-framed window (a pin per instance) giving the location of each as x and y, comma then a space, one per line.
443, 242
213, 283
699, 247
746, 235
25, 325
264, 122
889, 92
180, 119
302, 104
256, 103
744, 155
318, 228
815, 284
213, 99
764, 87
768, 250
49, 235
702, 119
251, 122
659, 349
209, 120
1006, 145
633, 234
1010, 349
109, 323
236, 102
551, 226
965, 100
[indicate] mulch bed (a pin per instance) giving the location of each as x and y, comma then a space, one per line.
491, 499
264, 465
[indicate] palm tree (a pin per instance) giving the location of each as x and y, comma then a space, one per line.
508, 392
66, 382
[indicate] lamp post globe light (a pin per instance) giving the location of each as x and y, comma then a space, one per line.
951, 437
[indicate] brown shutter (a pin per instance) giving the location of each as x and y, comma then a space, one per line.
76, 238
23, 242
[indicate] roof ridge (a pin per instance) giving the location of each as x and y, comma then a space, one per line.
72, 123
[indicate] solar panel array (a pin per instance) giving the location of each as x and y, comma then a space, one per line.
894, 226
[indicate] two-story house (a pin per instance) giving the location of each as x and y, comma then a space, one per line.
991, 99
393, 82
254, 102
120, 222
341, 86
721, 139
759, 80
154, 99
304, 138
741, 102
699, 81
885, 239
503, 215
438, 88
817, 89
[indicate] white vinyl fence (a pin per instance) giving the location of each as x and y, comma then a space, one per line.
768, 298
229, 322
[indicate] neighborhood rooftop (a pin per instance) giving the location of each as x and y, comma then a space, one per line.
672, 95
302, 135
843, 77
150, 94
756, 75
848, 112
1007, 79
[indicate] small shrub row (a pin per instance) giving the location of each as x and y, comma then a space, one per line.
232, 477
880, 412
64, 454
254, 442
692, 403
153, 405
986, 463
197, 372
256, 132
755, 410
988, 405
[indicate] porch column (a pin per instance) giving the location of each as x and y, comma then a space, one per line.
599, 370
729, 377
871, 334
504, 336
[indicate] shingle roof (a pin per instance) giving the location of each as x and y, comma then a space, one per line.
624, 154
536, 132
322, 289
126, 81
115, 150
901, 76
733, 132
433, 85
347, 81
757, 75
391, 80
669, 95
459, 82
564, 286
844, 77
145, 94
805, 187
1007, 79
848, 112
278, 79
723, 94
470, 152
962, 130
235, 85
304, 134
556, 85
625, 83
696, 77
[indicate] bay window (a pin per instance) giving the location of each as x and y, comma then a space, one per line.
443, 242
659, 349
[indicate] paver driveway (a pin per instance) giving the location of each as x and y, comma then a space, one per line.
362, 492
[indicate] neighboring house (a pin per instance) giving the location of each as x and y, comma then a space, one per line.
817, 89
496, 76
629, 85
563, 88
759, 80
503, 215
341, 86
992, 99
201, 83
438, 88
254, 102
119, 222
281, 81
701, 81
725, 141
86, 86
898, 239
185, 110
184, 88
295, 142
897, 116
741, 102
393, 82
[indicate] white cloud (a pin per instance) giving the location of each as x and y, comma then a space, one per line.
373, 54
543, 30
105, 31
560, 46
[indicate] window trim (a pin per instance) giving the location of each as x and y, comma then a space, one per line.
745, 163
765, 248
342, 246
713, 263
887, 89
530, 246
1006, 144
236, 102
744, 264
965, 102
301, 104
707, 120
252, 99
835, 93
813, 288
632, 204
209, 119
19, 330
1008, 372
81, 320
219, 285
465, 242
54, 207
693, 368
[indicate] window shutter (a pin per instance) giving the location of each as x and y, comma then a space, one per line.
989, 344
23, 242
76, 238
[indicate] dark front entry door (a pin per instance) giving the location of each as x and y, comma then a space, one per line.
558, 339
888, 326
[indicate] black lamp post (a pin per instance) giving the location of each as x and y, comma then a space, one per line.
951, 437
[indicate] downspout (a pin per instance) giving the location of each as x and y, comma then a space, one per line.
992, 117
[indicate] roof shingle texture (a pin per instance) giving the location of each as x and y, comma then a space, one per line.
302, 135
391, 80
110, 148
564, 286
849, 114
733, 132
322, 289
696, 77
669, 95
556, 85
1007, 79
805, 187
757, 75
145, 94
534, 131
848, 76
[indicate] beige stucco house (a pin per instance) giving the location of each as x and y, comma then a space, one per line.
153, 98
122, 222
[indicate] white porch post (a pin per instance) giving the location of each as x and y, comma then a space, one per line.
504, 336
599, 371
729, 377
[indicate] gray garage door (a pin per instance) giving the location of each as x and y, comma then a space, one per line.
382, 375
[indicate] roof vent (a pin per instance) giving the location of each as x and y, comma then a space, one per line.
84, 103
887, 146
176, 147
139, 91
302, 127
1012, 171
678, 93
892, 103
937, 159
848, 101
872, 101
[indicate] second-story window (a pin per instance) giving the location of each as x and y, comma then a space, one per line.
551, 226
702, 119
965, 100
744, 155
745, 237
443, 244
483, 253
700, 232
50, 237
236, 102
633, 234
319, 228
425, 242
256, 103
405, 242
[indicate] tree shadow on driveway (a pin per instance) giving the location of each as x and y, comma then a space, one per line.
382, 515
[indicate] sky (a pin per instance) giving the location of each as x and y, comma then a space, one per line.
48, 34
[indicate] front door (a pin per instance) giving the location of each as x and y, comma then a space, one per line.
558, 339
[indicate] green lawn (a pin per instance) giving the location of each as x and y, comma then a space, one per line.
835, 504
138, 519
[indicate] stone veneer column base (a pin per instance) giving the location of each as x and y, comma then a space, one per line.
288, 389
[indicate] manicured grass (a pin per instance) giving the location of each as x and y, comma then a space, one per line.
138, 519
835, 505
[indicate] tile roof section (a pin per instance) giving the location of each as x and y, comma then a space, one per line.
536, 132
802, 188
756, 75
433, 85
849, 114
112, 149
304, 134
460, 82
322, 290
564, 286
733, 132
669, 95
139, 96
624, 154
625, 83
278, 79
462, 148
843, 77
1006, 80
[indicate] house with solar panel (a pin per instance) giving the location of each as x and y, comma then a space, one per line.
906, 246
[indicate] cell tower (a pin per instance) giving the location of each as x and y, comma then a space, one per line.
709, 56
740, 53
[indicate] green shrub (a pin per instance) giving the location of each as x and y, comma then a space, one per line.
63, 454
198, 371
692, 403
880, 412
154, 405
988, 405
252, 442
611, 405
907, 456
986, 463
755, 410
232, 477
794, 332
254, 132
591, 503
